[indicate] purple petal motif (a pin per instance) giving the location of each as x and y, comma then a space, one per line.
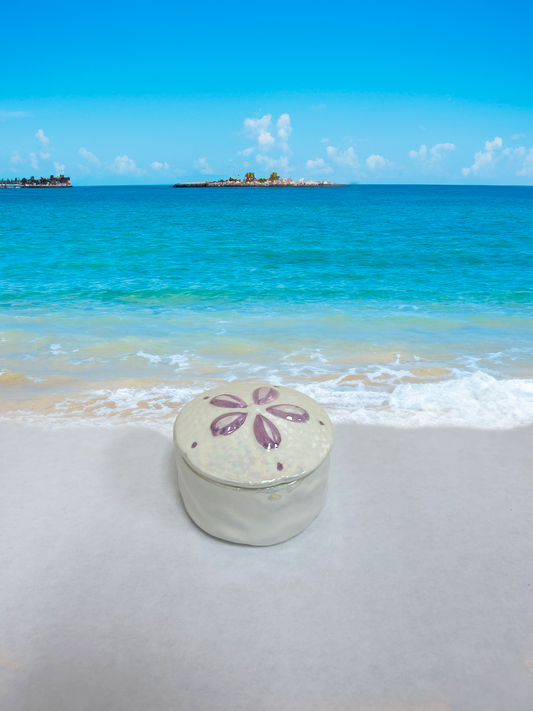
266, 433
228, 401
289, 412
264, 395
227, 424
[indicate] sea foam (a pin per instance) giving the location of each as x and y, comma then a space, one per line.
463, 400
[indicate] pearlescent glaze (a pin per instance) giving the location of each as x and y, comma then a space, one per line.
249, 454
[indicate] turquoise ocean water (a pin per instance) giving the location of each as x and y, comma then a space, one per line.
404, 305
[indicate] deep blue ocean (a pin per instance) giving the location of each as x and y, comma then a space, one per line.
405, 305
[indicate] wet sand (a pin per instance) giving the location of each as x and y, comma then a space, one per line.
412, 590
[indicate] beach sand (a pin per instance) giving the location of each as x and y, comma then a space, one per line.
412, 590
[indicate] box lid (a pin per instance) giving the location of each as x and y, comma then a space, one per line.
253, 434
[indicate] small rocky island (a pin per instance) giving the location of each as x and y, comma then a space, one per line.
250, 181
58, 181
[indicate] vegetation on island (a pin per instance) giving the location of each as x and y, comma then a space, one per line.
250, 181
57, 181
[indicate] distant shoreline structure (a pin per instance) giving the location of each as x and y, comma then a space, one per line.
250, 181
58, 181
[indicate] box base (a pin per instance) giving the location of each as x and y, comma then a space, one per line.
256, 517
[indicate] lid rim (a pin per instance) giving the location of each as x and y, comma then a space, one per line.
253, 487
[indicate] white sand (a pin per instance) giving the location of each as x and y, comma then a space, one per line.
412, 590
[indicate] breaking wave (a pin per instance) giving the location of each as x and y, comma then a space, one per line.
463, 399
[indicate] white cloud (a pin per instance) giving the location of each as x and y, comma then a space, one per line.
343, 158
515, 152
325, 140
434, 154
255, 125
246, 152
517, 136
482, 159
40, 135
123, 164
377, 162
203, 166
33, 161
284, 127
422, 153
284, 131
270, 163
524, 157
88, 156
491, 145
319, 166
266, 140
527, 164
4, 115
436, 151
44, 155
59, 168
258, 127
15, 158
159, 166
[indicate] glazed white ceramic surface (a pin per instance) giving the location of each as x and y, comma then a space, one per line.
258, 517
253, 461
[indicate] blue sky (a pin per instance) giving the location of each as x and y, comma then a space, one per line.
118, 93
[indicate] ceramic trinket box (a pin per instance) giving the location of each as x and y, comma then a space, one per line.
253, 461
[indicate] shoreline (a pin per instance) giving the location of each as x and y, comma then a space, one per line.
473, 400
59, 181
259, 184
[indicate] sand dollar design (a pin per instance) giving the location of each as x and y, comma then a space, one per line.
265, 431
260, 435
